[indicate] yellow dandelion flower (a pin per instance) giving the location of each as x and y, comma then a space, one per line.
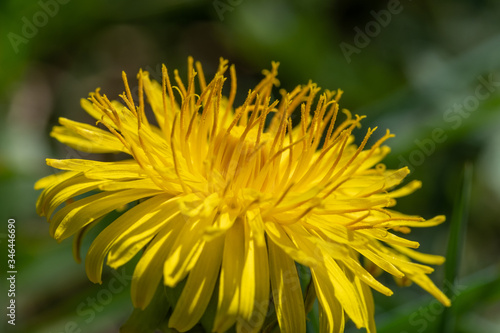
229, 199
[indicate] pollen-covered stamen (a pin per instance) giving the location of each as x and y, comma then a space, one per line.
376, 145
336, 176
334, 112
141, 118
234, 154
106, 107
205, 123
156, 161
212, 133
262, 91
201, 76
310, 154
242, 110
168, 114
127, 98
180, 84
353, 167
306, 114
266, 85
110, 118
187, 107
262, 118
174, 157
228, 155
232, 95
316, 125
99, 104
338, 153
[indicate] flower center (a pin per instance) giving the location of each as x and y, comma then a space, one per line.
242, 152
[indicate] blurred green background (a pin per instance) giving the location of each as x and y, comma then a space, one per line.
427, 70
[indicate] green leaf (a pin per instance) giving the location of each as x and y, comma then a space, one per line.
474, 291
149, 319
458, 226
313, 318
456, 243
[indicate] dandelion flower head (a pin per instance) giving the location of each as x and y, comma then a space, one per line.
230, 200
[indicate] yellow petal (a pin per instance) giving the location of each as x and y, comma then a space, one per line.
429, 223
388, 182
54, 196
389, 238
220, 226
331, 282
154, 93
104, 241
192, 205
367, 299
261, 294
86, 138
199, 287
76, 215
406, 190
186, 249
366, 277
48, 184
339, 206
123, 170
127, 185
276, 233
53, 180
378, 155
338, 320
89, 108
254, 220
422, 257
247, 288
423, 281
149, 269
127, 244
287, 295
78, 239
254, 297
231, 272
327, 246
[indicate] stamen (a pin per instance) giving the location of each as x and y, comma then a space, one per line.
166, 85
180, 84
129, 98
174, 155
232, 94
142, 112
201, 76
